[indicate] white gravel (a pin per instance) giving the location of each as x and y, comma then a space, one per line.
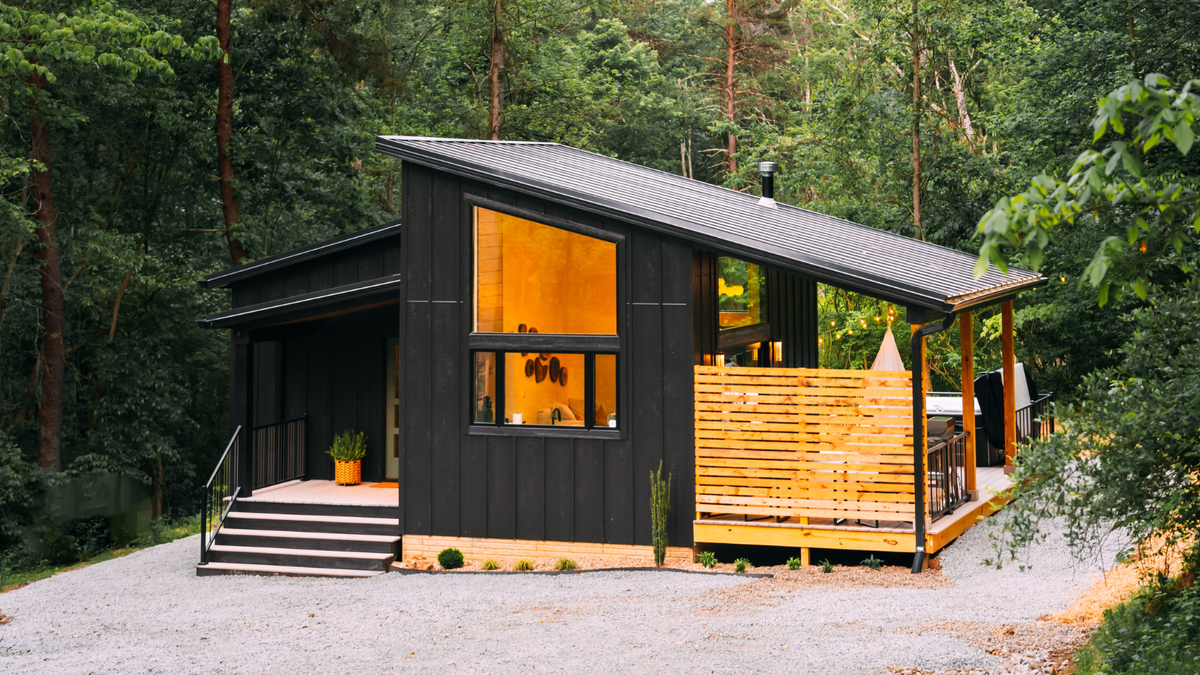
148, 612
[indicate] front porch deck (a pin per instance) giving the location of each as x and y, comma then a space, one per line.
892, 536
328, 493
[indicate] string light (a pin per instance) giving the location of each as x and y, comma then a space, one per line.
832, 323
852, 331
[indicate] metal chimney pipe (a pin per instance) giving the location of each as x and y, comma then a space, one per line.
767, 171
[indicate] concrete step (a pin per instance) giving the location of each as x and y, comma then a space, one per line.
219, 568
240, 520
301, 558
322, 541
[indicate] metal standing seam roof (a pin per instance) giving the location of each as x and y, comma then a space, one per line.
820, 247
231, 276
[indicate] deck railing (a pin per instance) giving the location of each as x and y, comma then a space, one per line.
946, 467
278, 452
220, 493
806, 443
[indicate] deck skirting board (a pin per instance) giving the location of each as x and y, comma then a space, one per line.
713, 532
414, 546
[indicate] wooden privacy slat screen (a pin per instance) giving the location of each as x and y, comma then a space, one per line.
803, 442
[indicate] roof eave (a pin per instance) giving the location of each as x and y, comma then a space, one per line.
297, 303
226, 278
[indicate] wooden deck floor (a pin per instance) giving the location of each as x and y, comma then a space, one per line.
328, 492
853, 535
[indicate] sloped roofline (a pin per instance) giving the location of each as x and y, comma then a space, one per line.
228, 277
423, 151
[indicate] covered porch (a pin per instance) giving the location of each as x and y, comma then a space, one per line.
846, 459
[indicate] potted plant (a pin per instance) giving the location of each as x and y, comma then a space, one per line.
347, 451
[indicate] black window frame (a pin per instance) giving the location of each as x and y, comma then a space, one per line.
588, 345
591, 427
740, 336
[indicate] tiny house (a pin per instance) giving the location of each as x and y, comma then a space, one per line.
542, 329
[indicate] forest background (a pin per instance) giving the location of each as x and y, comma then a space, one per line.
146, 143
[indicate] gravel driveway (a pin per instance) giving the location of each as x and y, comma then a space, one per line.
148, 612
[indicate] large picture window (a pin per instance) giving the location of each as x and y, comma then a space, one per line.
545, 343
535, 278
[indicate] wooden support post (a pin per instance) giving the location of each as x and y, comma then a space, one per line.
966, 337
804, 552
1010, 386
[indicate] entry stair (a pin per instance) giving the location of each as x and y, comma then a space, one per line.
293, 539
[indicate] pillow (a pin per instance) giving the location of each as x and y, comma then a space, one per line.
568, 414
576, 405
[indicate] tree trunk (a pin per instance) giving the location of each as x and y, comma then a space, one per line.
964, 117
495, 68
53, 353
229, 203
729, 88
916, 125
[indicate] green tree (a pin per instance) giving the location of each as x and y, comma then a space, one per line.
40, 45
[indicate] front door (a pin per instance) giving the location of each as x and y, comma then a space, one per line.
392, 465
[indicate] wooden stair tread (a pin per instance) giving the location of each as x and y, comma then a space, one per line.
291, 534
288, 569
301, 551
296, 517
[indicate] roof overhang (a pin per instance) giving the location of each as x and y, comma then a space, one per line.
350, 297
228, 277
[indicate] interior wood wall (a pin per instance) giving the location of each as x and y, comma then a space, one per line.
555, 489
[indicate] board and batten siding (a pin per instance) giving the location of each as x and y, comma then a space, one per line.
374, 260
454, 483
334, 369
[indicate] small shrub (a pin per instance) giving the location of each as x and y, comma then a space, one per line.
450, 559
490, 565
708, 559
873, 562
524, 566
826, 566
565, 565
793, 564
740, 565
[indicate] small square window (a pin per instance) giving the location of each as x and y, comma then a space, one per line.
484, 410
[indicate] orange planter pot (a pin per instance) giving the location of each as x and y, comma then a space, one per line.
347, 473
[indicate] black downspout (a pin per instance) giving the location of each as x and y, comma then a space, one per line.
919, 477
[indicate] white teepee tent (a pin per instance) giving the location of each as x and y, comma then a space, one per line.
888, 357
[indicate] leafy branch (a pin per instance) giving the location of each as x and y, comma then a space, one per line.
1161, 214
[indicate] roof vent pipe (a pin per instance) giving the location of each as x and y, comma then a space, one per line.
767, 171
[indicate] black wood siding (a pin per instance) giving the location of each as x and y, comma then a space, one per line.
560, 489
335, 374
362, 263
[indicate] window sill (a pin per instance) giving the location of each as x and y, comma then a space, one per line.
534, 431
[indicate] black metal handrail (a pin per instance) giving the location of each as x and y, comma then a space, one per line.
278, 452
946, 469
220, 493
